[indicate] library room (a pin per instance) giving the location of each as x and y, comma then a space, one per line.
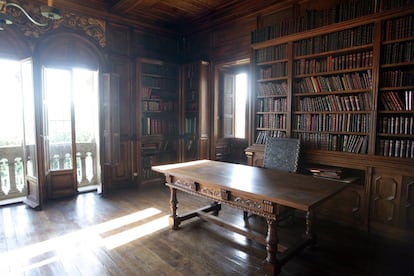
194, 137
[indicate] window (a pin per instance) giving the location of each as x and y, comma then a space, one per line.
240, 105
235, 104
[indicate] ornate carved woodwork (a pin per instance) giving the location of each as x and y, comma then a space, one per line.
92, 27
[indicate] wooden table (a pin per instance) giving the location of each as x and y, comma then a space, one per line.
255, 190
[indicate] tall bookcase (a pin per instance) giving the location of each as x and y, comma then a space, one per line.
272, 92
395, 128
194, 142
341, 80
158, 97
332, 90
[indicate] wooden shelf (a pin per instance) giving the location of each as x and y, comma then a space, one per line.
158, 126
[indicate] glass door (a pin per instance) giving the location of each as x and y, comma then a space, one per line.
18, 156
70, 118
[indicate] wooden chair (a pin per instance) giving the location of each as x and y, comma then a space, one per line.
281, 154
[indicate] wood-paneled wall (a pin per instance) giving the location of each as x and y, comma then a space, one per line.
116, 50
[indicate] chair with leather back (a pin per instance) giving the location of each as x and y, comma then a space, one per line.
281, 154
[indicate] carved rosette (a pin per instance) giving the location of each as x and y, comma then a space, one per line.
251, 204
215, 193
187, 184
92, 27
261, 207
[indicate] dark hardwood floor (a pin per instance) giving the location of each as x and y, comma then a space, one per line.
127, 233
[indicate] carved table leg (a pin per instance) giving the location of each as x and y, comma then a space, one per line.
173, 219
309, 232
271, 265
217, 210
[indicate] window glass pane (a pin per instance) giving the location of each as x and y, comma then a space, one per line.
240, 105
57, 101
11, 134
85, 97
86, 110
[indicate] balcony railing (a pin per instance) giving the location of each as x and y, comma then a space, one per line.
12, 173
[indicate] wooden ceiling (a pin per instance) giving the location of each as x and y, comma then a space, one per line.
176, 15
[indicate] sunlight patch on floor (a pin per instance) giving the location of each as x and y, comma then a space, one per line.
56, 249
135, 233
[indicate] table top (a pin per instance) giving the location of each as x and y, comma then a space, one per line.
298, 191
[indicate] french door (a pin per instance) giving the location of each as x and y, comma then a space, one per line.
18, 150
70, 130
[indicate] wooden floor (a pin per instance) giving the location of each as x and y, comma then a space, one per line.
127, 233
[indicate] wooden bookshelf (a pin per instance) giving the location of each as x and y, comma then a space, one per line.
158, 97
194, 128
348, 82
395, 122
272, 88
338, 119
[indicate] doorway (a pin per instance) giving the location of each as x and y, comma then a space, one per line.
18, 155
71, 130
231, 125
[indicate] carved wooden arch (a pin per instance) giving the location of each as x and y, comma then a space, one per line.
13, 44
69, 49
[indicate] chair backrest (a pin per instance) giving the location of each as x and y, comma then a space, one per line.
281, 154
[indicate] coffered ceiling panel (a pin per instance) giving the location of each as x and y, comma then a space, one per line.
171, 14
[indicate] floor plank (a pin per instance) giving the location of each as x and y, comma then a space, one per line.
127, 233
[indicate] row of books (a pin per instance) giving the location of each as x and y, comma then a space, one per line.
272, 105
333, 63
333, 173
190, 125
274, 71
262, 135
155, 106
396, 78
332, 103
328, 172
345, 10
148, 173
169, 71
398, 101
358, 36
155, 126
191, 106
155, 82
272, 88
192, 71
146, 92
156, 146
332, 122
272, 121
398, 52
392, 4
191, 76
344, 82
396, 125
403, 148
335, 142
271, 53
399, 28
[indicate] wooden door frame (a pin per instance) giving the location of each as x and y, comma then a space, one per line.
217, 122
